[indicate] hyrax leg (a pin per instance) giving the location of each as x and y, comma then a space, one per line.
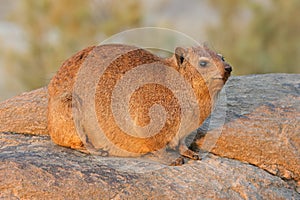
186, 152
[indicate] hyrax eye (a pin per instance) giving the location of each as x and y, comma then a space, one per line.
222, 57
203, 63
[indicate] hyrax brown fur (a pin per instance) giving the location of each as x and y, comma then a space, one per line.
203, 69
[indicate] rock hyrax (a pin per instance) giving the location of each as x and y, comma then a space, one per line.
203, 69
161, 96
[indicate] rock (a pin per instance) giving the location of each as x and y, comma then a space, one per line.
264, 126
32, 167
255, 157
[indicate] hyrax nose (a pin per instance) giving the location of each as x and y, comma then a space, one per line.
228, 68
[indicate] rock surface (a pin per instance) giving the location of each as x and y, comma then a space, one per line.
254, 156
264, 127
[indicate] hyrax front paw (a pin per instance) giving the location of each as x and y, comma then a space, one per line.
186, 152
178, 162
190, 154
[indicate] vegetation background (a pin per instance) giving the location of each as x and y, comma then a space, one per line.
256, 36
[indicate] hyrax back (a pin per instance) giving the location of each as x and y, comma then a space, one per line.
96, 72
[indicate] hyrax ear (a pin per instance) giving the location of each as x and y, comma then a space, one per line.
180, 55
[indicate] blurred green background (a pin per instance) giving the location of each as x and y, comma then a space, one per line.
255, 36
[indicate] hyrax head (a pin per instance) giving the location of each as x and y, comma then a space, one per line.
205, 66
